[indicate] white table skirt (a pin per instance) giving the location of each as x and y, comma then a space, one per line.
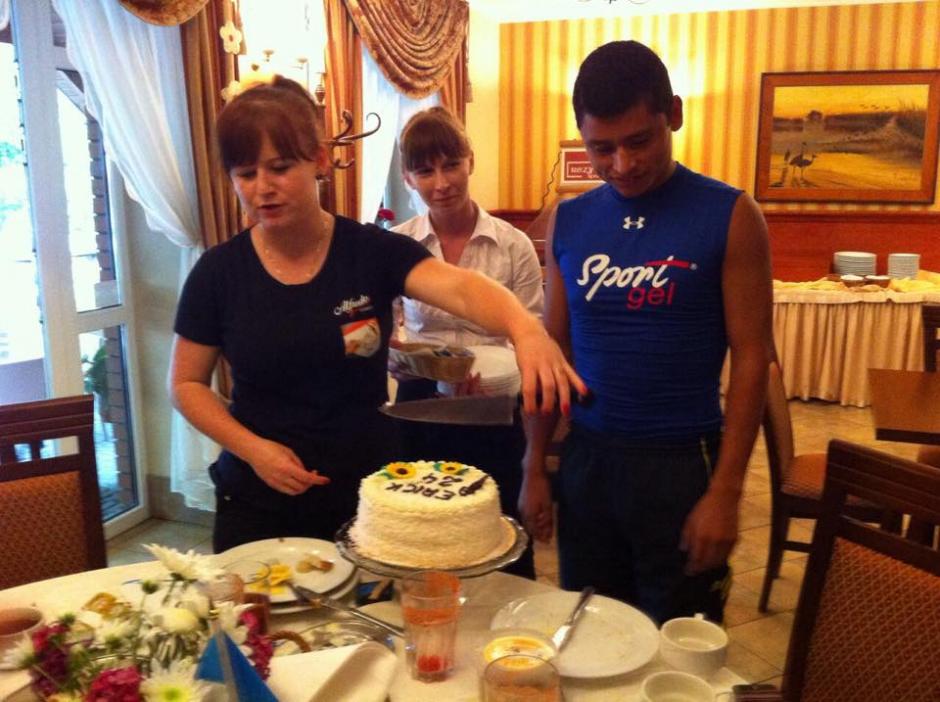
827, 340
485, 596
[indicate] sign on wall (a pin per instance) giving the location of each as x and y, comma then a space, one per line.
577, 175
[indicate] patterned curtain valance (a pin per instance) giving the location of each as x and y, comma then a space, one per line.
414, 42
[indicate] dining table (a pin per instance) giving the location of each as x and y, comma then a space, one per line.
484, 596
826, 340
905, 405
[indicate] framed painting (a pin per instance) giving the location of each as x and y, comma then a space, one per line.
848, 136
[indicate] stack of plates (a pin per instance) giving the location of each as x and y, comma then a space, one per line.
903, 265
854, 263
499, 374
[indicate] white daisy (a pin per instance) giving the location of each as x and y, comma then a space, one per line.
112, 632
174, 684
228, 621
188, 566
196, 602
176, 620
20, 654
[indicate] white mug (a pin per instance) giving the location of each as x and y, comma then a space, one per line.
675, 686
693, 645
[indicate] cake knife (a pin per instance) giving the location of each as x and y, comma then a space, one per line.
466, 409
562, 633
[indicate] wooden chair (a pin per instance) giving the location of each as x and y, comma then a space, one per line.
929, 454
931, 317
796, 482
867, 626
50, 509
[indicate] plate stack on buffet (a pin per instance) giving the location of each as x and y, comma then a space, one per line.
903, 265
499, 374
854, 263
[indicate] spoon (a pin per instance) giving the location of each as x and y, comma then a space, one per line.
563, 633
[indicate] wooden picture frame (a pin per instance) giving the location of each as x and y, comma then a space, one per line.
848, 136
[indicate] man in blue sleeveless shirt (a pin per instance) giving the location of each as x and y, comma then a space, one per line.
651, 278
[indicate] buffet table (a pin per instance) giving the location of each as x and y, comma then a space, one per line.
828, 339
485, 595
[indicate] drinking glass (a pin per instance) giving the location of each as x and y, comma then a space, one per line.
430, 605
228, 587
521, 678
238, 577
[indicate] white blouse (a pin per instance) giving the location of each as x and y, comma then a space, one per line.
497, 249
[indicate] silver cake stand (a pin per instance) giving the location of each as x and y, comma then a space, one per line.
347, 549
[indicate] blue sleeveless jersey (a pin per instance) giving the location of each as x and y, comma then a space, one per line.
643, 282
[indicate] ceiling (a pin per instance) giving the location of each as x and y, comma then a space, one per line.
534, 10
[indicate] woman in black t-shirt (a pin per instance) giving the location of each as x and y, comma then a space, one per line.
300, 306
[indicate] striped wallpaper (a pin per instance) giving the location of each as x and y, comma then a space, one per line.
715, 61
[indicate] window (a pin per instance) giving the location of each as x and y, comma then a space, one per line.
65, 326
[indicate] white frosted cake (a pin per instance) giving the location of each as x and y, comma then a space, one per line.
430, 514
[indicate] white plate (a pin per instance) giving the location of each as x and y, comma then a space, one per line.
290, 551
340, 592
611, 637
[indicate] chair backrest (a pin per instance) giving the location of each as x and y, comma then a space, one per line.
931, 317
867, 626
778, 430
50, 510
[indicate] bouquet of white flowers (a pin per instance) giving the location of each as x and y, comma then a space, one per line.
114, 650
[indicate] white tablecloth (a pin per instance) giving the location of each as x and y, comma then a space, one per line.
828, 340
485, 596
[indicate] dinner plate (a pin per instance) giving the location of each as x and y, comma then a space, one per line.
294, 606
291, 551
611, 638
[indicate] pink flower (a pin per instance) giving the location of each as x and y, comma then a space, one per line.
46, 634
52, 667
261, 651
261, 647
115, 685
250, 619
386, 213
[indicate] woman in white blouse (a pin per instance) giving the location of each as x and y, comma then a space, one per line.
437, 162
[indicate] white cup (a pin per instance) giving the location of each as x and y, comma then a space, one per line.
16, 624
693, 645
674, 686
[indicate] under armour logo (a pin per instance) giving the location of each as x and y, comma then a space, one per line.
629, 222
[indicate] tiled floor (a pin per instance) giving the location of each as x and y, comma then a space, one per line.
758, 642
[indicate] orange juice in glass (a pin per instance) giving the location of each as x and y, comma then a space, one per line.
430, 604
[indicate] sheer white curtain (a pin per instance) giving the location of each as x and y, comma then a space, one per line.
395, 109
4, 14
133, 77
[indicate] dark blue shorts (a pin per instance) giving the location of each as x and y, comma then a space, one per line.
621, 509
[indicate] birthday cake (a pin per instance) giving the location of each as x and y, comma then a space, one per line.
430, 514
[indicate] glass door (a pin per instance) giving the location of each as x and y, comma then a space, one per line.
65, 322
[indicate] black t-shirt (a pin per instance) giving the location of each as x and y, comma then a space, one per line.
307, 360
